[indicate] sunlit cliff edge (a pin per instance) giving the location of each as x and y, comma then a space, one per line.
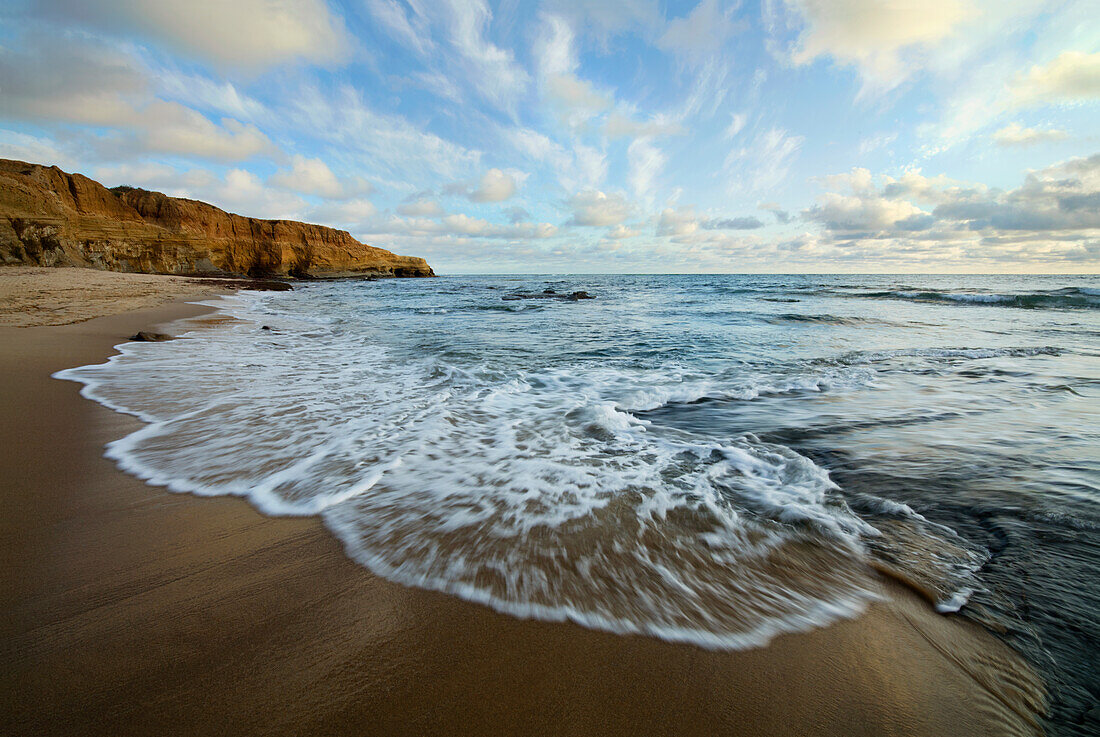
51, 218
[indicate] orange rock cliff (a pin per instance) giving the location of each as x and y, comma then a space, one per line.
50, 218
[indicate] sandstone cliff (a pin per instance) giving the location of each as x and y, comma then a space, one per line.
50, 218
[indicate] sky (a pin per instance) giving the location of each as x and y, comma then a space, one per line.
559, 136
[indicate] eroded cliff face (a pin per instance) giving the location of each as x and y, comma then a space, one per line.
50, 218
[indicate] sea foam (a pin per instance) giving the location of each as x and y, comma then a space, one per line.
534, 491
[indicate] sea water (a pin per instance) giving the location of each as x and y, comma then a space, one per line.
706, 459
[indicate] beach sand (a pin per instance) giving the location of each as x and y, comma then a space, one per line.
130, 610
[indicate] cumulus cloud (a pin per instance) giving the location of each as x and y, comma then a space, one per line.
872, 35
245, 193
598, 209
495, 185
1064, 197
1015, 134
347, 214
678, 222
156, 176
1073, 76
91, 84
1054, 216
249, 34
313, 177
859, 212
620, 232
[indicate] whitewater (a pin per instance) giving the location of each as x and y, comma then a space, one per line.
706, 459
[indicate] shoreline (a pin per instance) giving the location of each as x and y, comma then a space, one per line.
132, 610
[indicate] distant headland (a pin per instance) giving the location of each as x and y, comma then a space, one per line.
52, 218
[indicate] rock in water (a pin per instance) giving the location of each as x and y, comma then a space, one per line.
547, 294
51, 218
147, 337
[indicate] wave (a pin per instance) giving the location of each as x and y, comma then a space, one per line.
868, 357
565, 504
824, 319
1066, 298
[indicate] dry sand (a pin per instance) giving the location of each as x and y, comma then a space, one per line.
130, 610
35, 295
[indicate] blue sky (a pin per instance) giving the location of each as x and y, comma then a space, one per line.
568, 136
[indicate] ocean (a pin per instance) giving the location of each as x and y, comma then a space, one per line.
709, 459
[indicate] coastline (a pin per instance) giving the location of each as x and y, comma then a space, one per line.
131, 610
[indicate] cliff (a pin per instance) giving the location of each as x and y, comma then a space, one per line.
50, 218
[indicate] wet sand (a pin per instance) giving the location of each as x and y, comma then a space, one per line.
129, 610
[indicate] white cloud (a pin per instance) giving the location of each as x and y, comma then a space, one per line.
874, 143
646, 162
577, 95
859, 212
249, 34
595, 208
91, 84
156, 176
491, 70
737, 123
1015, 134
35, 150
678, 222
873, 35
590, 167
1071, 77
372, 140
764, 163
313, 177
169, 127
620, 232
619, 126
242, 192
557, 63
346, 214
460, 224
495, 186
583, 167
858, 180
412, 32
1052, 218
702, 33
421, 208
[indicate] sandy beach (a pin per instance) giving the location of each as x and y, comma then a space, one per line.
129, 610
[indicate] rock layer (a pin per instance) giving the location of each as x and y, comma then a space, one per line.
51, 218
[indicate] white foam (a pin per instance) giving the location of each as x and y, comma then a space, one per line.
537, 492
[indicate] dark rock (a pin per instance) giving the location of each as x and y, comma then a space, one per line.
147, 337
547, 294
266, 327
